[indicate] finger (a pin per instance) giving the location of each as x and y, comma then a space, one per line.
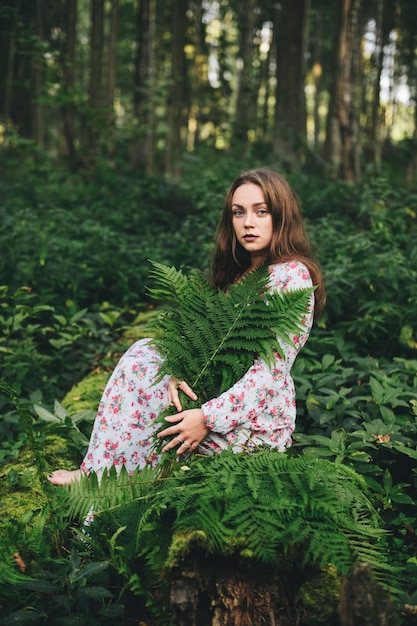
185, 387
178, 417
170, 430
176, 401
176, 441
173, 396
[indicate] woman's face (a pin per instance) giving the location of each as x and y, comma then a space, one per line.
252, 222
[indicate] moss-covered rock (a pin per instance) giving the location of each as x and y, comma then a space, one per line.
318, 598
20, 488
85, 395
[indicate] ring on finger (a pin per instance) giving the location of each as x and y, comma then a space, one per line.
180, 440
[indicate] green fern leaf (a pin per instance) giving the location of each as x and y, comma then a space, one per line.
209, 338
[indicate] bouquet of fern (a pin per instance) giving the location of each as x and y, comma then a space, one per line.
210, 338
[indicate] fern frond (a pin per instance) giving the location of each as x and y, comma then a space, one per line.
267, 502
111, 491
209, 338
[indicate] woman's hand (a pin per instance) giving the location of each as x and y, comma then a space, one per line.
189, 429
173, 397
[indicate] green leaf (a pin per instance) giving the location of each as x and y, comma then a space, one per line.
46, 415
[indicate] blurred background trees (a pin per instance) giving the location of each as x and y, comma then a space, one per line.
311, 83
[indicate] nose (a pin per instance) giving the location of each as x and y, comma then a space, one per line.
248, 220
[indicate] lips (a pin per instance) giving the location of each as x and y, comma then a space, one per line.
250, 237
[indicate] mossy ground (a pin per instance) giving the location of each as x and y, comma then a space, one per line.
20, 490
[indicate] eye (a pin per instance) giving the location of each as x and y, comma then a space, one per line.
263, 211
237, 212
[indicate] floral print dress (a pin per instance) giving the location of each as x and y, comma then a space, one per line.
258, 410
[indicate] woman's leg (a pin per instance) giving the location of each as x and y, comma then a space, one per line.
125, 423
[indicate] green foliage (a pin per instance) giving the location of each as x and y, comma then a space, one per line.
38, 347
33, 568
87, 239
366, 239
266, 505
32, 332
75, 242
359, 411
210, 338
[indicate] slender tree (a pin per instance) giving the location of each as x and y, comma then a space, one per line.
407, 59
112, 55
68, 107
143, 148
9, 26
38, 77
342, 148
95, 93
375, 139
246, 96
200, 90
290, 38
176, 105
317, 70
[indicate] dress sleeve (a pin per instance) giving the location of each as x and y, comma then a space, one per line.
242, 404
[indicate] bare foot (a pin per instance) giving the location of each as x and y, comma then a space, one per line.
64, 477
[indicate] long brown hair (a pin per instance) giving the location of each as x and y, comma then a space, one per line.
290, 241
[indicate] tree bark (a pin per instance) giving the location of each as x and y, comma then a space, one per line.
363, 601
67, 110
342, 148
10, 51
143, 146
96, 70
378, 56
209, 590
38, 80
290, 109
176, 105
199, 82
317, 73
245, 112
205, 591
20, 88
112, 69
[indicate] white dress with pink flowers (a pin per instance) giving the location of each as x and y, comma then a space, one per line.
258, 410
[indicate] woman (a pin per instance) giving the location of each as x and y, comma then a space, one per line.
261, 223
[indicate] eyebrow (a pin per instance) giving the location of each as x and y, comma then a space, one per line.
254, 204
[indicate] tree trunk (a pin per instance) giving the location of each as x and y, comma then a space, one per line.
199, 81
209, 590
38, 80
112, 69
317, 73
176, 104
67, 110
363, 602
143, 147
290, 109
96, 69
20, 88
378, 56
264, 125
245, 112
205, 591
342, 148
9, 52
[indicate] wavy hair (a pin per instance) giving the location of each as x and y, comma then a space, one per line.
289, 242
